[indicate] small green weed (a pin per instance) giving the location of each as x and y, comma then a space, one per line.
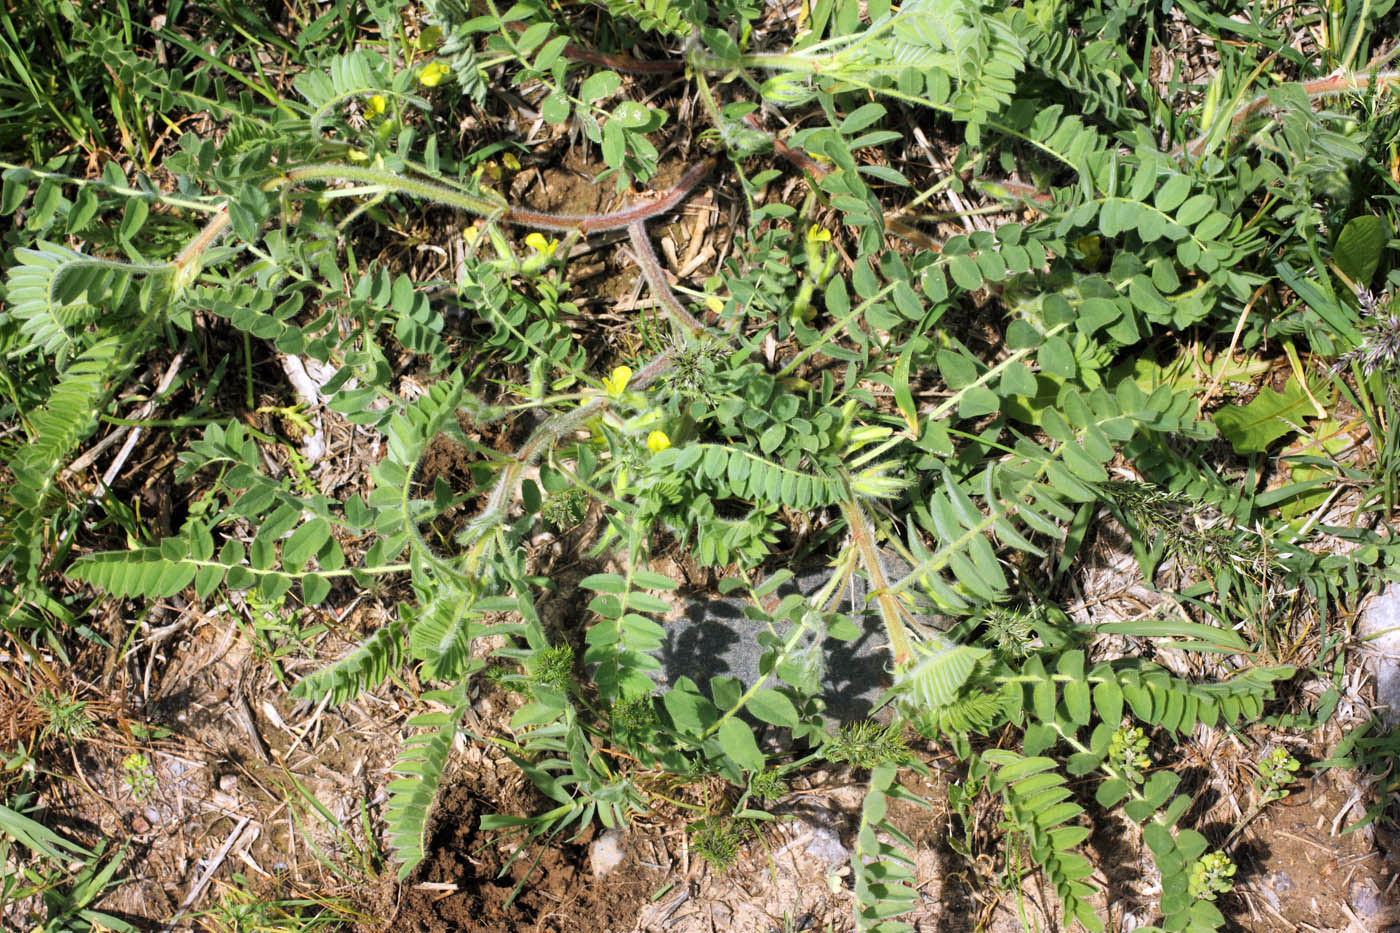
137, 776
241, 910
66, 718
717, 840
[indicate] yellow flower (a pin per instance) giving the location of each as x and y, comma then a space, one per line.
657, 441
358, 155
433, 73
472, 234
616, 383
539, 244
375, 106
816, 234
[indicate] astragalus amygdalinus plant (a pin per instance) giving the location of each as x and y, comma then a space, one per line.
820, 386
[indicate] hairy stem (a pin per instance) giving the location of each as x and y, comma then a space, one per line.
491, 207
891, 609
1320, 87
656, 278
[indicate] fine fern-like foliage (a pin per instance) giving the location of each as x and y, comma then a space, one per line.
67, 418
350, 77
1055, 709
1093, 70
745, 474
675, 18
359, 671
420, 765
140, 572
1038, 805
936, 678
834, 401
56, 292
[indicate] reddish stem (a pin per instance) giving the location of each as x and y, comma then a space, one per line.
617, 220
617, 62
1319, 87
656, 278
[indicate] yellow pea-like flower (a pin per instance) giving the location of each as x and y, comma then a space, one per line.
375, 106
539, 244
433, 73
657, 441
616, 383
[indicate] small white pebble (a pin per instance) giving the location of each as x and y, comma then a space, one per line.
228, 783
606, 853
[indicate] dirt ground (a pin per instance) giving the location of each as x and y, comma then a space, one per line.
235, 779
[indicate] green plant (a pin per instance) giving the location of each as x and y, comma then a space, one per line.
137, 777
240, 910
968, 404
1276, 770
1212, 874
276, 632
65, 717
51, 882
717, 841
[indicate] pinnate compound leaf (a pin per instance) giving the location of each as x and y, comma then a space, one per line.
358, 671
936, 679
140, 572
411, 797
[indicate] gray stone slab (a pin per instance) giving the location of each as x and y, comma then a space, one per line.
713, 638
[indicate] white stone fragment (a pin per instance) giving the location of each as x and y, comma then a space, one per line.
1379, 631
606, 853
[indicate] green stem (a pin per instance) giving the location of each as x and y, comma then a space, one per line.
208, 207
891, 609
345, 572
955, 400
834, 329
794, 637
1112, 772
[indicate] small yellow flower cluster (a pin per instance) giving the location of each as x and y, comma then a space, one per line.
657, 441
375, 106
433, 73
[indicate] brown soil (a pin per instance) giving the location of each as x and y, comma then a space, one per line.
464, 883
1297, 873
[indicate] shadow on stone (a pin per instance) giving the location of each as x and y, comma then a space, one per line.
714, 638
